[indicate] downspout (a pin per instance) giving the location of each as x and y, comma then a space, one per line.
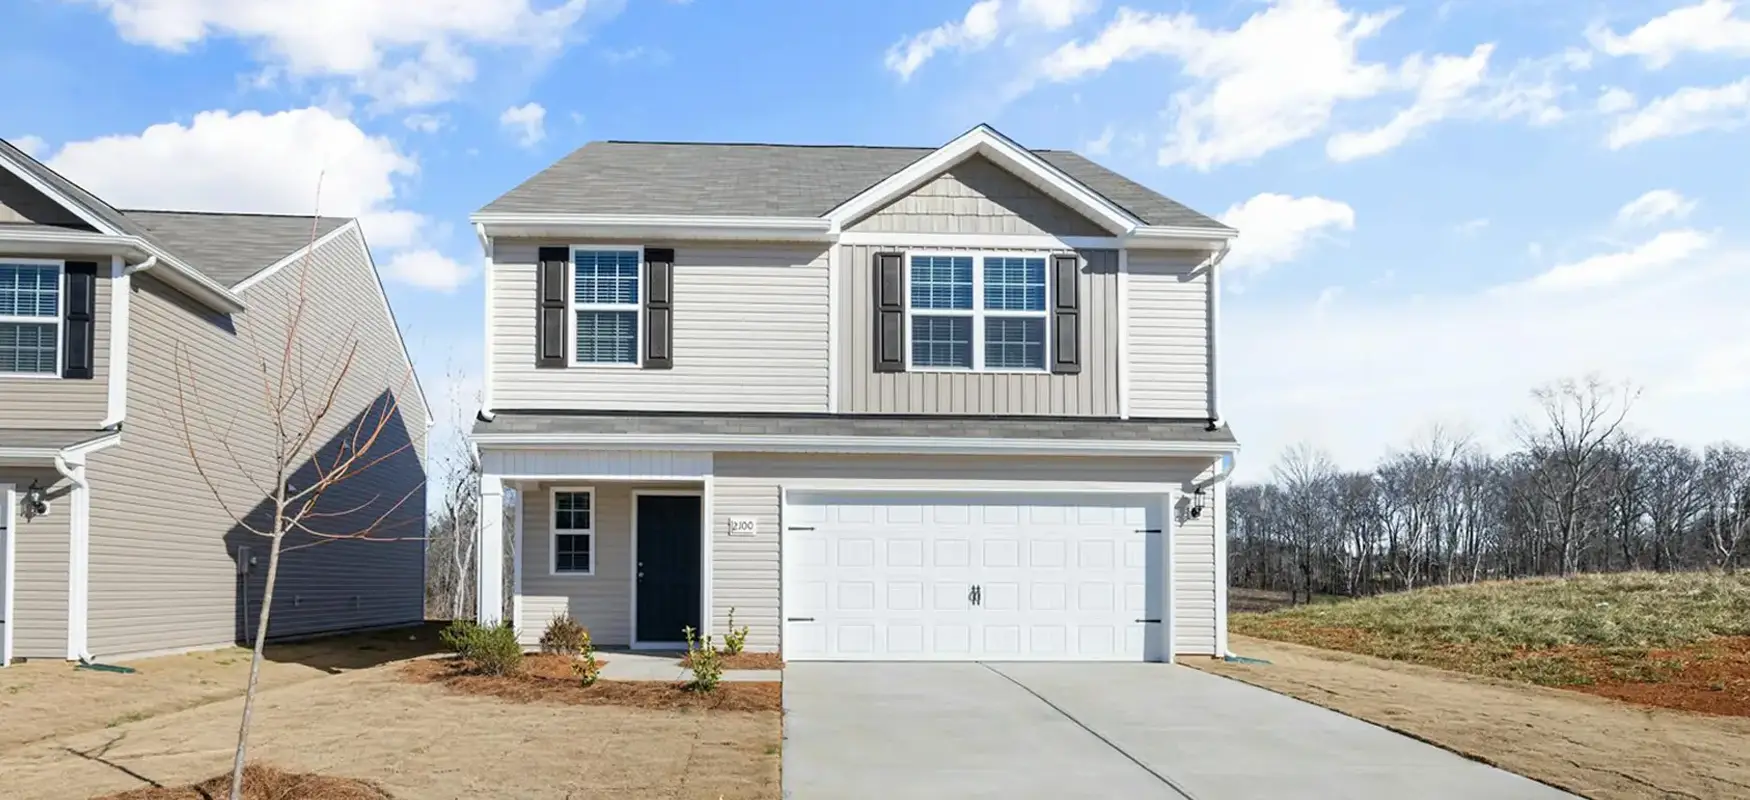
142, 266
1226, 472
485, 414
1215, 420
78, 553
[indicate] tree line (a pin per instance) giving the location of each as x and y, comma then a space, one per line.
1579, 493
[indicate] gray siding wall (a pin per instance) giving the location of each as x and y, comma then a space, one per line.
747, 570
20, 203
163, 575
39, 614
977, 196
58, 402
1169, 334
750, 334
1093, 393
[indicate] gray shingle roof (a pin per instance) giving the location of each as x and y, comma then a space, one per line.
842, 425
231, 247
760, 180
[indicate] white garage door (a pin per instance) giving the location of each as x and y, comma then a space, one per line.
962, 576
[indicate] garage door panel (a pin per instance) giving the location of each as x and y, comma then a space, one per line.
1060, 577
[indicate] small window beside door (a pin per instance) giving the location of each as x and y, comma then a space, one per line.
573, 539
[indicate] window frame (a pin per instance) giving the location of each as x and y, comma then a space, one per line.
60, 319
978, 312
573, 307
553, 531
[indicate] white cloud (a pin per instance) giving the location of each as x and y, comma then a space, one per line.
1656, 205
254, 162
1471, 227
1277, 228
527, 121
1615, 100
1055, 14
1688, 110
1102, 145
974, 31
398, 52
427, 269
1279, 76
1708, 27
426, 123
33, 146
1662, 252
1365, 375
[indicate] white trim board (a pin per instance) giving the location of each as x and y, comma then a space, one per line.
849, 444
120, 303
704, 565
8, 561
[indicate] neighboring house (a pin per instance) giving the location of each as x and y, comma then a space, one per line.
884, 403
113, 544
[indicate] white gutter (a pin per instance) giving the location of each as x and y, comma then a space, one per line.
849, 444
1215, 420
661, 225
1143, 233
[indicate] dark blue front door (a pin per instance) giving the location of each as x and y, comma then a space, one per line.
668, 573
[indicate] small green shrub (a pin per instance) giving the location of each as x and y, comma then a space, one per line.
736, 638
564, 635
586, 667
488, 649
706, 662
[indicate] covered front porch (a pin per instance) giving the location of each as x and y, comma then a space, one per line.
623, 548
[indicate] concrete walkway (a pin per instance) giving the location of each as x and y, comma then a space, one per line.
661, 665
1096, 730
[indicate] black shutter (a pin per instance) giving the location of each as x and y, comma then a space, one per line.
80, 322
551, 313
658, 308
889, 309
1066, 344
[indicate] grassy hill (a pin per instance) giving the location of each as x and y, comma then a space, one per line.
1591, 630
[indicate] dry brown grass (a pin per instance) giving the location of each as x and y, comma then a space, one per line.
1586, 631
1591, 746
262, 782
543, 683
744, 660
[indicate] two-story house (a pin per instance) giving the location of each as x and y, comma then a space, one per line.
133, 343
884, 403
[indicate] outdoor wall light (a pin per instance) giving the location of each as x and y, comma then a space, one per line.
36, 501
1197, 504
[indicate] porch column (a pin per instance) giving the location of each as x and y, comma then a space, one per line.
489, 568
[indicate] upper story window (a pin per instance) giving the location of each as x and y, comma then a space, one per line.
977, 312
605, 295
30, 318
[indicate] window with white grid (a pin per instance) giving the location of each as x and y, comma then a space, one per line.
977, 312
30, 318
605, 295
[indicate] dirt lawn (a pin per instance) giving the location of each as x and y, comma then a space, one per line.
1591, 746
41, 699
420, 742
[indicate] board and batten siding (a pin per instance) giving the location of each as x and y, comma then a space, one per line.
750, 335
1092, 393
163, 549
63, 403
39, 588
1169, 334
747, 570
978, 197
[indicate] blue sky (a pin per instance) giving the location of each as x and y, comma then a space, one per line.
1441, 204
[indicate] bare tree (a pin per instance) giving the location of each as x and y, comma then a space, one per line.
1581, 421
1726, 478
455, 522
295, 448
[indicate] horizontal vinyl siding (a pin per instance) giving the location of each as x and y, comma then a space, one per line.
601, 602
977, 196
39, 614
750, 334
163, 574
1169, 334
59, 402
1092, 393
747, 570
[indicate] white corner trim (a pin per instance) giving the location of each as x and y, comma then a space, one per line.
1218, 498
834, 321
120, 294
850, 444
1214, 317
1124, 334
986, 141
53, 194
708, 519
293, 258
486, 279
8, 570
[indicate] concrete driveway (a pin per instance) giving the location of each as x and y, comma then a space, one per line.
1096, 730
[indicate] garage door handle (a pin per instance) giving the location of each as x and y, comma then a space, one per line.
1150, 530
1149, 620
798, 619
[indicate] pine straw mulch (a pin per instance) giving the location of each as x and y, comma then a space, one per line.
262, 782
548, 679
744, 660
